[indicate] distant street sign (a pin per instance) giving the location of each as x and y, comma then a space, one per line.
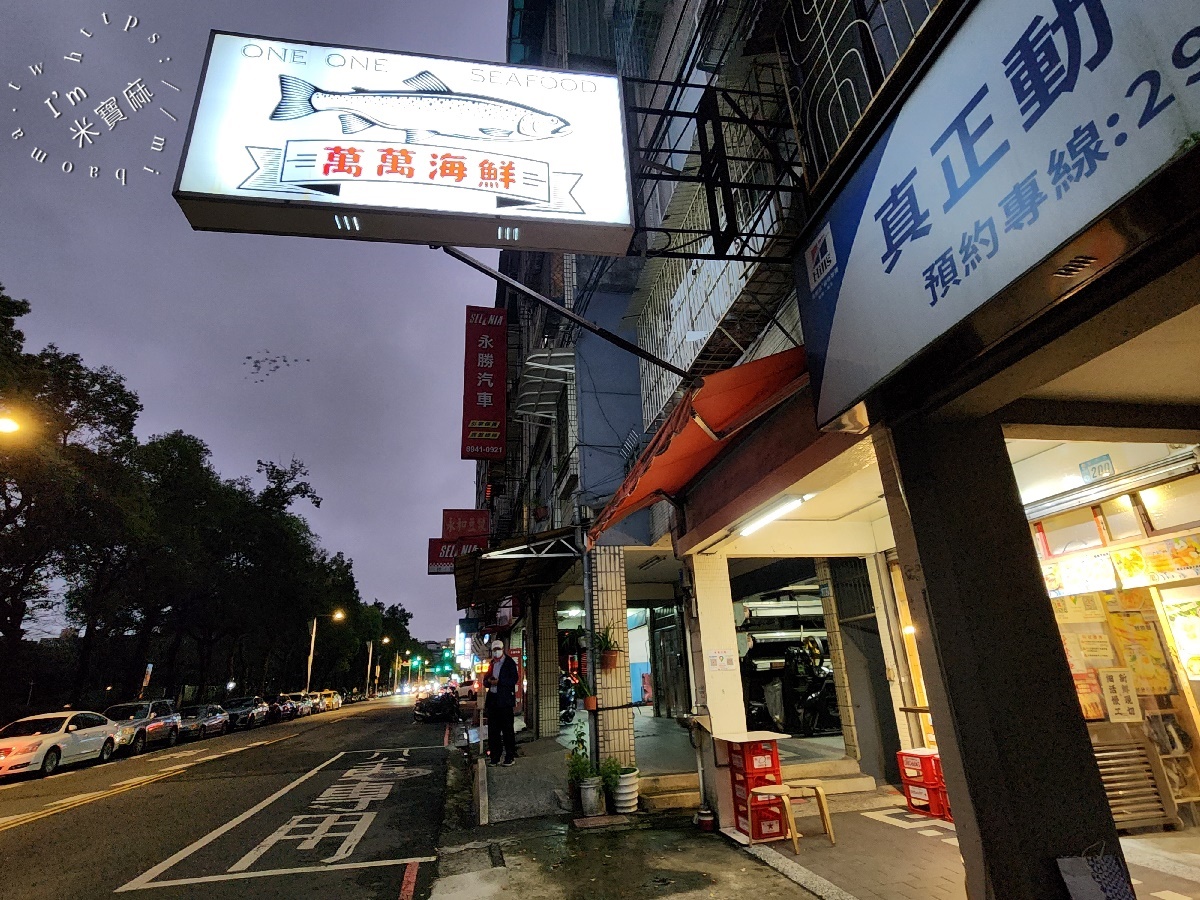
295, 138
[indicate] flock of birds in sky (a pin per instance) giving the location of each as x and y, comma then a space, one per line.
266, 365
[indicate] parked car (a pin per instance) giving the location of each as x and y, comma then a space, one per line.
144, 722
246, 712
333, 700
282, 709
318, 703
303, 703
467, 689
43, 743
202, 721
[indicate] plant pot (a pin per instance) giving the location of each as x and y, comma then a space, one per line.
626, 795
591, 796
609, 658
590, 703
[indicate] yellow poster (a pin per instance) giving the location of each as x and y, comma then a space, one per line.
1142, 650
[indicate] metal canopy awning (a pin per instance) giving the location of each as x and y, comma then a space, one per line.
700, 428
542, 379
532, 562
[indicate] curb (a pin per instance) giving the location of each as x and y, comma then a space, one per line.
793, 871
481, 790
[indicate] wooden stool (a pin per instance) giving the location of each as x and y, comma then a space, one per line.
784, 793
804, 789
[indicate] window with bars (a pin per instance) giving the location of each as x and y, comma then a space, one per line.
838, 55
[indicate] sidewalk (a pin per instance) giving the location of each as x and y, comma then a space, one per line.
892, 854
884, 853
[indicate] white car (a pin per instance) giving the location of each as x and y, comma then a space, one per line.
43, 743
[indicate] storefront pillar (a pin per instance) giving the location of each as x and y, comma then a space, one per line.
545, 664
716, 679
1019, 768
609, 608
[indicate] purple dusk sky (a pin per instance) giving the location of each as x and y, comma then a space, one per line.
116, 273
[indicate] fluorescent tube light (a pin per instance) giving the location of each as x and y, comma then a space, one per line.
784, 507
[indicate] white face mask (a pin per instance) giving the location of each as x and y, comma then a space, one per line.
497, 653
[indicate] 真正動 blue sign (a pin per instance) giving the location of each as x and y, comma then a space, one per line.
1038, 117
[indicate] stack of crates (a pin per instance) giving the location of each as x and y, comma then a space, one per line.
755, 764
924, 786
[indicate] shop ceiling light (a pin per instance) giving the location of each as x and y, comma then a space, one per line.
782, 508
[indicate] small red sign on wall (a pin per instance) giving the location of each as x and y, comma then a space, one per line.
484, 387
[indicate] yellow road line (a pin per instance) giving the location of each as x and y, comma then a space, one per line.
83, 800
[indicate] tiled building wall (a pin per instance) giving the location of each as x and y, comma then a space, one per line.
615, 729
837, 659
545, 649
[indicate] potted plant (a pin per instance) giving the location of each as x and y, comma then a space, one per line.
586, 698
584, 783
610, 776
604, 643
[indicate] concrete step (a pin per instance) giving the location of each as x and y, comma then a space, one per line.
819, 769
657, 784
845, 784
670, 800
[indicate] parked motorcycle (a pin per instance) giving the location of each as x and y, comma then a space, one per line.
809, 690
441, 706
566, 699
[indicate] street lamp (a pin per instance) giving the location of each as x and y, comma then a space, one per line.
337, 615
8, 424
386, 640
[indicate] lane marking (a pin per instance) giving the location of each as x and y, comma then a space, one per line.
1170, 895
409, 887
119, 788
267, 873
143, 880
73, 799
17, 821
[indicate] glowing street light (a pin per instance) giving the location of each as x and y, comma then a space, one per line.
337, 615
8, 425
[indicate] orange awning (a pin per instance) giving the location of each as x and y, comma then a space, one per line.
699, 428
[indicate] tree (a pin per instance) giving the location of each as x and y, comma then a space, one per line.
73, 416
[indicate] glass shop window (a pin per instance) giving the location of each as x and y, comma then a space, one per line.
1121, 518
1071, 531
1173, 505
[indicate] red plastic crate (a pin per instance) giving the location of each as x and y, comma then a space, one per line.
946, 806
925, 800
743, 783
755, 757
921, 767
937, 770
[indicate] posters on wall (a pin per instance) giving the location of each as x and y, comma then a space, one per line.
1161, 562
1142, 652
1078, 608
1120, 696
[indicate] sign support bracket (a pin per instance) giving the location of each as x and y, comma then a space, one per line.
560, 310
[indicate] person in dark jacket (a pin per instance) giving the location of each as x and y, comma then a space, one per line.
501, 684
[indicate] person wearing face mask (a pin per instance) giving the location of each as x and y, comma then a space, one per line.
499, 707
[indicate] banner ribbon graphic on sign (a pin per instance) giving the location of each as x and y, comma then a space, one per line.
320, 167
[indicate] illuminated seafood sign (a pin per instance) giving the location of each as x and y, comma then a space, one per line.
296, 138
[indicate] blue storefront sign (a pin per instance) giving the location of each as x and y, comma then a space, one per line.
1039, 116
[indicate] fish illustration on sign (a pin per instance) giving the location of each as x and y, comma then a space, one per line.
430, 107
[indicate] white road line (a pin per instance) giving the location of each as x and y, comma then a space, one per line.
1170, 895
143, 880
267, 873
930, 832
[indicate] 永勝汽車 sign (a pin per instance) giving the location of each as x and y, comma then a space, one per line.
295, 138
1038, 117
485, 391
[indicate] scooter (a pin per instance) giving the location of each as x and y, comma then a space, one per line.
440, 707
566, 700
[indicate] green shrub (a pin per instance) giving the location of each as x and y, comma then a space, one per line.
610, 774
